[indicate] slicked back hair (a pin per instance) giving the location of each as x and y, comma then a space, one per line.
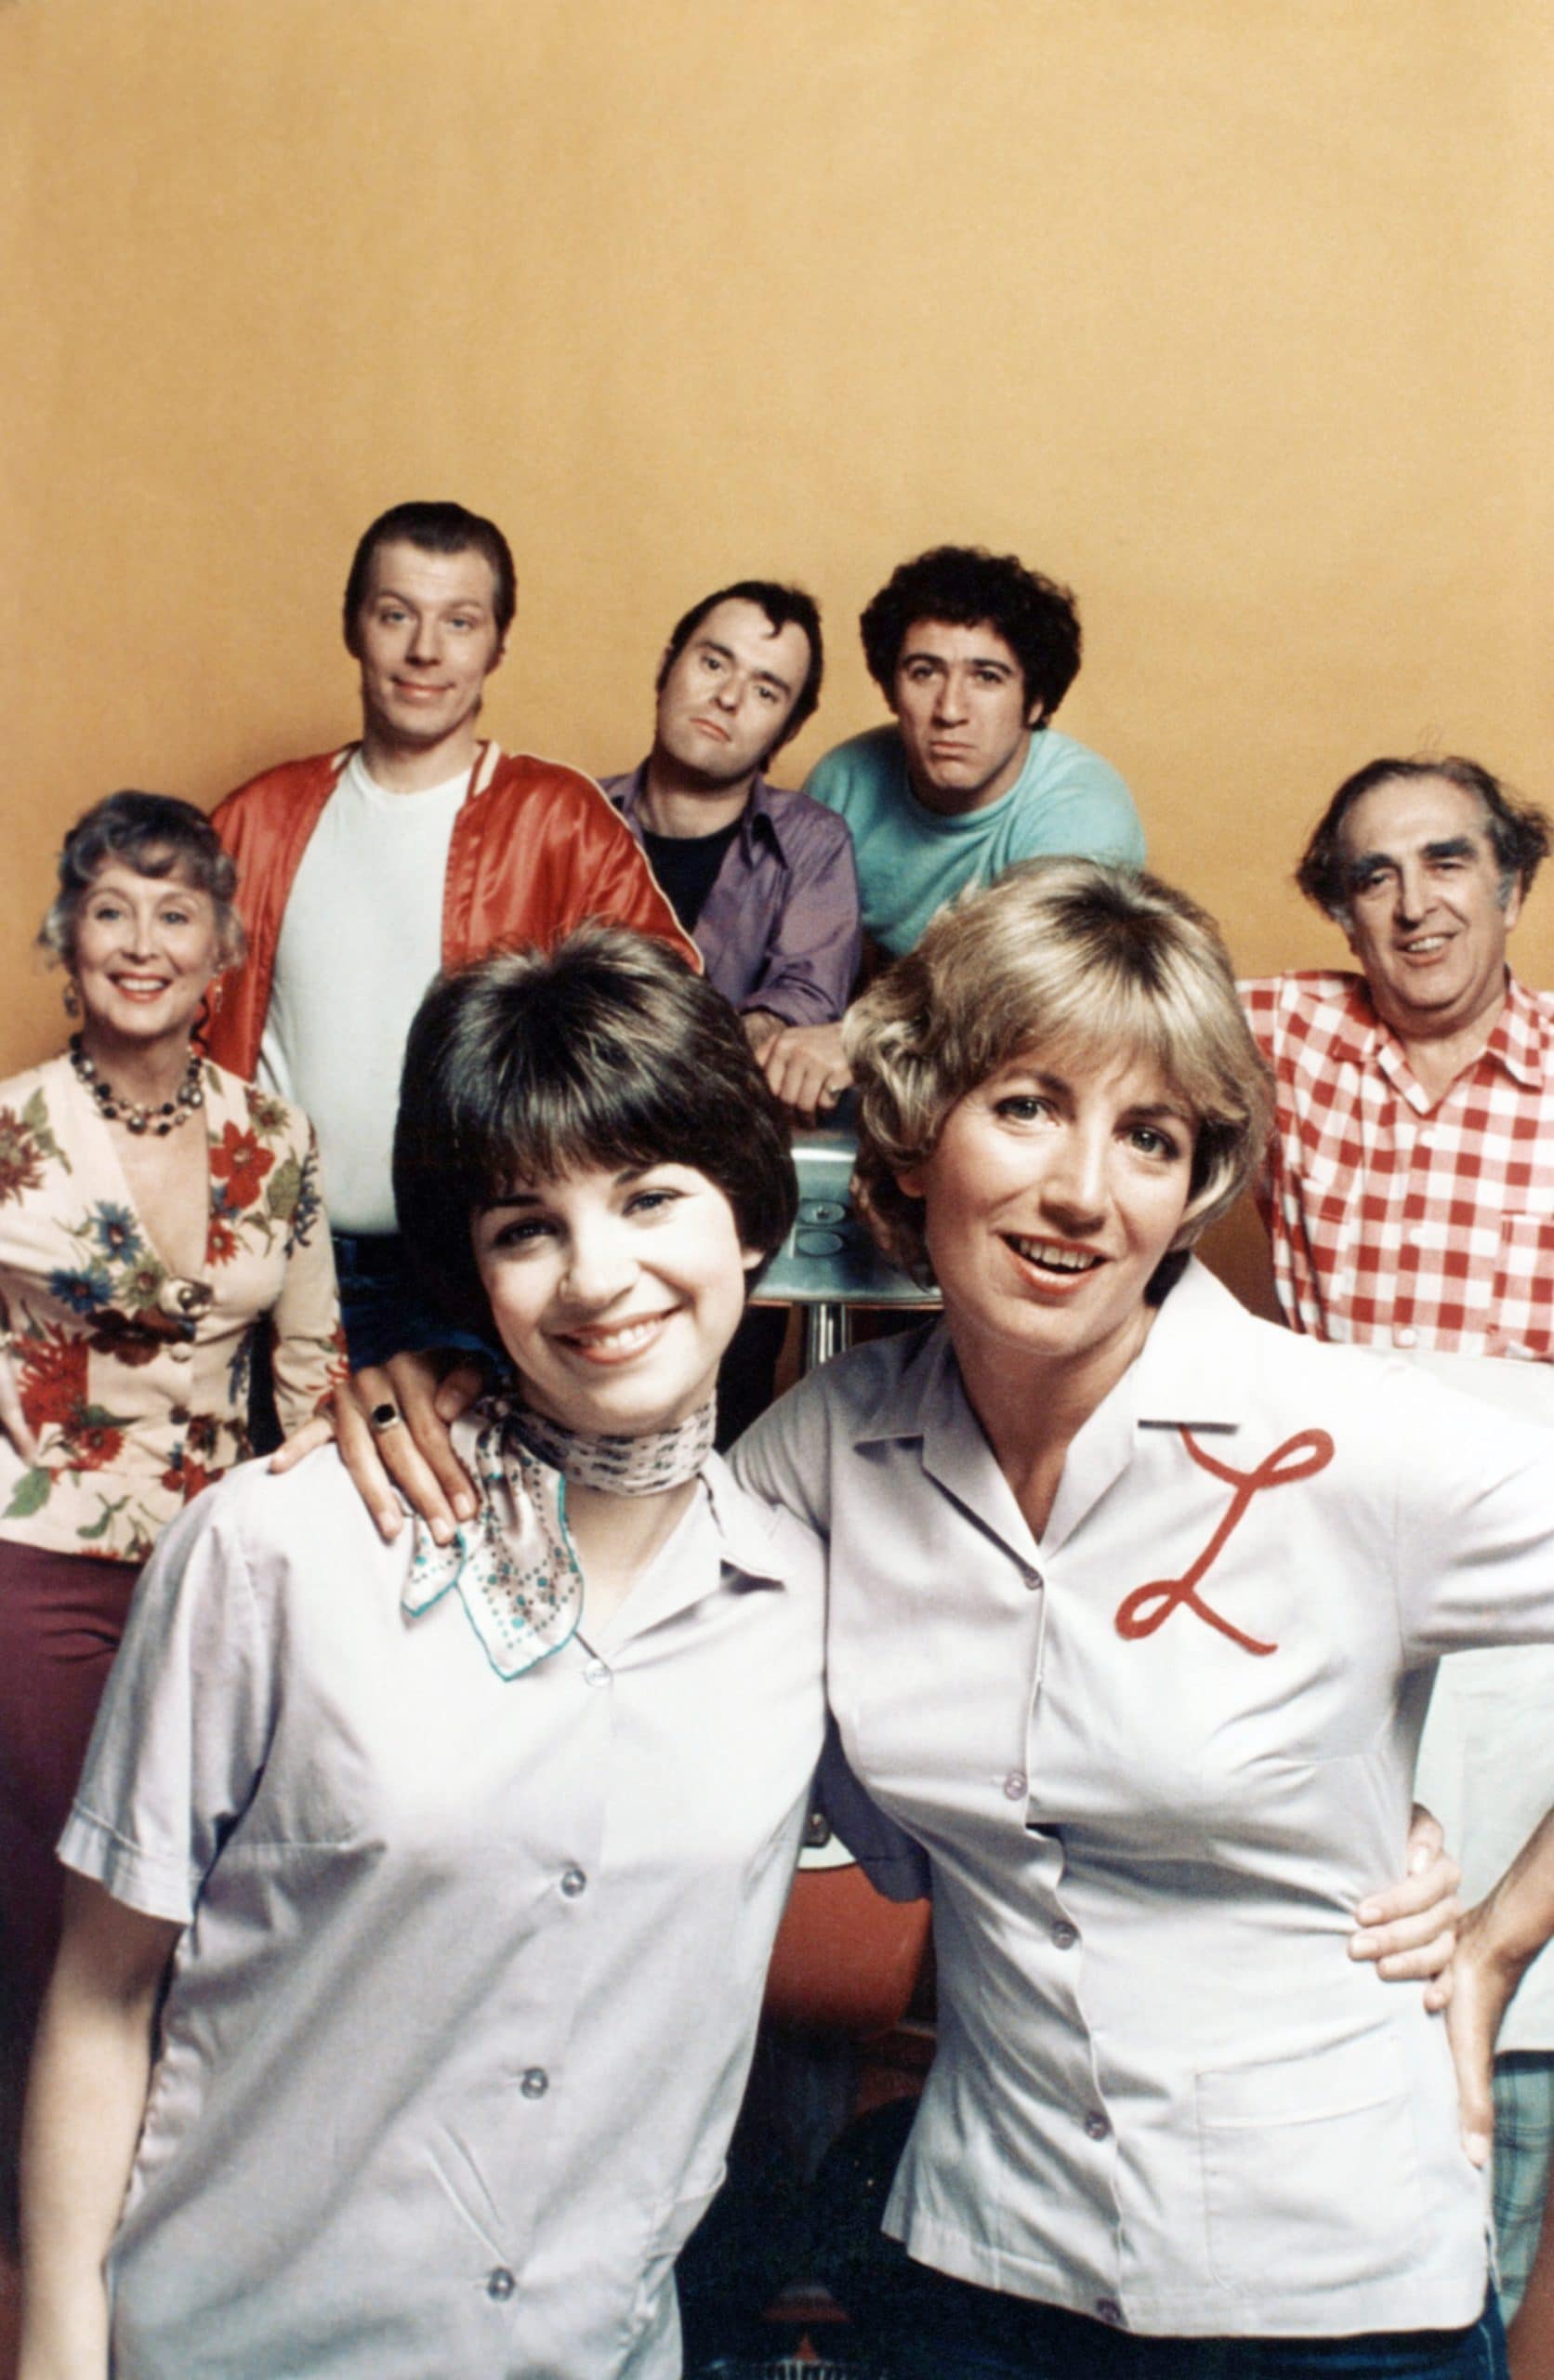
785, 607
607, 1051
157, 836
970, 588
1058, 959
1519, 832
436, 529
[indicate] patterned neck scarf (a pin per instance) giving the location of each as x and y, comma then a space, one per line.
514, 1565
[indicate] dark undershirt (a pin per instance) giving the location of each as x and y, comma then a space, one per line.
687, 866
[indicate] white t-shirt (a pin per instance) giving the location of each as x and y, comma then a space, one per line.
361, 941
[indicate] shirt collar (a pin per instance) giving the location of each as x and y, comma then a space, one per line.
761, 814
758, 818
1360, 1032
1184, 1373
748, 1529
1518, 1042
925, 1394
726, 1529
1191, 1372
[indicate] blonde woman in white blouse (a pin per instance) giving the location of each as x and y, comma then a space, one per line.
1135, 1607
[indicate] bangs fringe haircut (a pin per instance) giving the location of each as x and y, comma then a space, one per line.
607, 1051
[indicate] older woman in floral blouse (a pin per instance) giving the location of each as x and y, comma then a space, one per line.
153, 1209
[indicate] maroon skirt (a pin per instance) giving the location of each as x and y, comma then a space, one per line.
61, 1616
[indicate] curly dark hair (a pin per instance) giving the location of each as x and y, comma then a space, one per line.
1517, 830
970, 588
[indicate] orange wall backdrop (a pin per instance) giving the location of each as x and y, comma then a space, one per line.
1234, 313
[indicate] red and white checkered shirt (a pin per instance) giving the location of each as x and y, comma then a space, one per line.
1394, 1218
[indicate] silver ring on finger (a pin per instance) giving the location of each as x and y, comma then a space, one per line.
385, 1417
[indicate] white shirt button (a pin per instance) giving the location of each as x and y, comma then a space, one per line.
1065, 1936
1097, 2125
1031, 1579
535, 2082
1413, 1236
500, 2282
1406, 1337
597, 1674
1015, 1786
574, 1883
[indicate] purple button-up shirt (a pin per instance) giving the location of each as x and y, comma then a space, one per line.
779, 929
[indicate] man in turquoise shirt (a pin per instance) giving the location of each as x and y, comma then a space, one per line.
973, 652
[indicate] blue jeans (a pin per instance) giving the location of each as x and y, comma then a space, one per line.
951, 2331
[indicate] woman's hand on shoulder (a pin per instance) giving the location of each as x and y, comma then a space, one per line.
1410, 1930
13, 1420
392, 1422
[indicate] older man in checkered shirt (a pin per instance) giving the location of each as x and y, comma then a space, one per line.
1409, 1198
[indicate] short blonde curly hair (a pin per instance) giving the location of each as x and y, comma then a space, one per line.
1057, 955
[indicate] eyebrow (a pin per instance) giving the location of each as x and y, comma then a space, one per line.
1449, 847
976, 660
769, 677
534, 1198
457, 603
1147, 1110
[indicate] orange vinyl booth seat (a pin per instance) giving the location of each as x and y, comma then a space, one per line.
846, 1960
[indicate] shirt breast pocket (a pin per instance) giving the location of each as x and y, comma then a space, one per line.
1522, 1314
1311, 2158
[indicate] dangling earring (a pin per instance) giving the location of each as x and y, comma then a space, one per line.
204, 1015
72, 998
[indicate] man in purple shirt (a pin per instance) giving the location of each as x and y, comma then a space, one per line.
762, 879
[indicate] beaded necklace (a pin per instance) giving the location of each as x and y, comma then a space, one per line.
162, 1120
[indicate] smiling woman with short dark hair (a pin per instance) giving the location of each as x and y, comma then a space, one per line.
423, 1892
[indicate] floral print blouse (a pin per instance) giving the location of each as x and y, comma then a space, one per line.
134, 1381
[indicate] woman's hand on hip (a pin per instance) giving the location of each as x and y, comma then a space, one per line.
1410, 1930
1498, 1939
1480, 1993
